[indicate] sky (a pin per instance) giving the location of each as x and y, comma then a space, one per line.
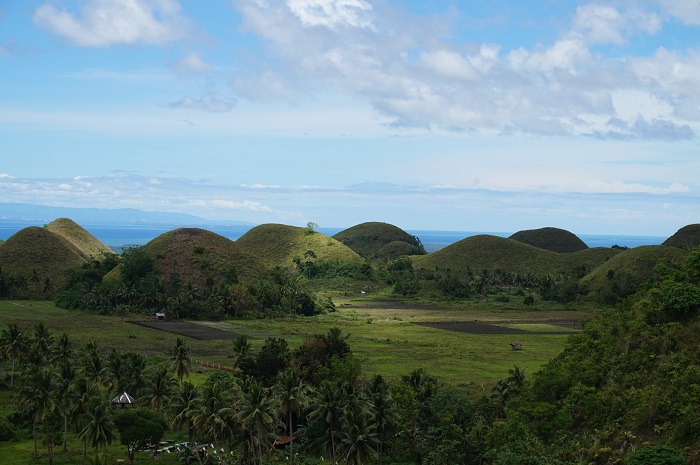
494, 116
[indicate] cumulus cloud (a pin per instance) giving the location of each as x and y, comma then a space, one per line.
420, 78
103, 23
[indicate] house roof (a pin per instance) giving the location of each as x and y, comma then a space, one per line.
123, 398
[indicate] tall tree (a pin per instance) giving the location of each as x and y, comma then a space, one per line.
13, 344
37, 395
181, 362
258, 417
183, 407
160, 386
98, 427
293, 396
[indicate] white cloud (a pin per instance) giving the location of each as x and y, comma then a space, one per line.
413, 74
206, 103
193, 63
686, 11
103, 23
332, 13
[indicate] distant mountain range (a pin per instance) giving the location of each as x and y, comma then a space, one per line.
40, 214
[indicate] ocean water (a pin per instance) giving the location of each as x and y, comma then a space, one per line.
119, 236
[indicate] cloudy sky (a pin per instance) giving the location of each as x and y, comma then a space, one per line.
483, 115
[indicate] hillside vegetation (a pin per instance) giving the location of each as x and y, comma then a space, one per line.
279, 245
380, 240
202, 258
38, 261
552, 239
685, 238
86, 244
487, 252
625, 272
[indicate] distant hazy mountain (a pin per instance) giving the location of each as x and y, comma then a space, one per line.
21, 212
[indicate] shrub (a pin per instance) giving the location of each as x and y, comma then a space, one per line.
656, 455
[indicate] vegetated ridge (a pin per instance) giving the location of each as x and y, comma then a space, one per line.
87, 244
624, 272
41, 258
380, 240
201, 258
279, 245
552, 239
685, 238
487, 252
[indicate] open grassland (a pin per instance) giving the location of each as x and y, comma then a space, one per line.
384, 334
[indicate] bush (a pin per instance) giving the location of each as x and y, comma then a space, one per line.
656, 455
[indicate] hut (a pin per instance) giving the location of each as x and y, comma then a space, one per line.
122, 400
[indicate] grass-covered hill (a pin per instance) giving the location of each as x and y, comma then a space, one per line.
623, 273
41, 258
552, 239
380, 240
87, 244
278, 245
201, 257
487, 252
685, 238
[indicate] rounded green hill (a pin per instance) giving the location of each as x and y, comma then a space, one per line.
487, 252
88, 245
279, 245
380, 240
552, 239
685, 238
40, 257
628, 269
201, 258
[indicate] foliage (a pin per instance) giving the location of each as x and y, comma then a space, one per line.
656, 455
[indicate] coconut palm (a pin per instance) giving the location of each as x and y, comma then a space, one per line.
37, 395
98, 427
293, 396
385, 415
211, 413
181, 361
64, 384
325, 419
258, 417
13, 344
358, 439
183, 407
160, 386
62, 349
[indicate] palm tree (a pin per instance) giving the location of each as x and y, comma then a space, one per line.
358, 439
325, 419
293, 397
13, 344
516, 377
183, 407
98, 428
211, 413
38, 396
65, 381
241, 349
135, 367
63, 349
385, 415
181, 361
160, 385
258, 417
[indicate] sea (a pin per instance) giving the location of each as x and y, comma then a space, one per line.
118, 237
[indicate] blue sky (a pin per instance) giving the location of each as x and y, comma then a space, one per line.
495, 115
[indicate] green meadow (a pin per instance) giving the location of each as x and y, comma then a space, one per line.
383, 334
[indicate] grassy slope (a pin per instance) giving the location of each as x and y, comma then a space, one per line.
553, 239
487, 252
372, 238
278, 245
196, 254
88, 245
685, 238
39, 249
638, 262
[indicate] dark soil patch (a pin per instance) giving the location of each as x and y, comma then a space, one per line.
480, 327
199, 332
370, 303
